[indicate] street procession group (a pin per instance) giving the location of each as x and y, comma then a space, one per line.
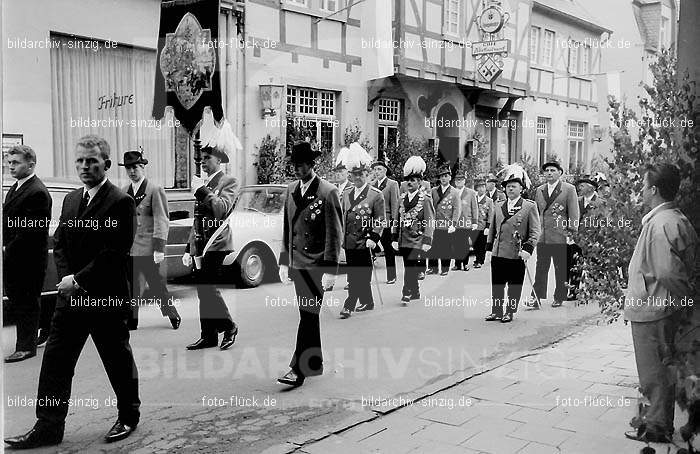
425, 226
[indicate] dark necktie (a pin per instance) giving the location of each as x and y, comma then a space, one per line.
84, 203
11, 192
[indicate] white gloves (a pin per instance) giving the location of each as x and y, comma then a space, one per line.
284, 274
370, 244
451, 229
328, 281
569, 240
158, 257
425, 247
186, 259
486, 231
524, 255
395, 245
197, 183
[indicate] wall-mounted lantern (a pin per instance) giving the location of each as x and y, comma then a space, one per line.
271, 99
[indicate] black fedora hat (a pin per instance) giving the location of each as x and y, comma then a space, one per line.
303, 153
552, 164
444, 169
214, 151
588, 179
379, 163
132, 158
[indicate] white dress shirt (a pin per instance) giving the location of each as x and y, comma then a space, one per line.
551, 187
305, 186
358, 191
93, 191
135, 186
587, 200
412, 195
511, 204
21, 181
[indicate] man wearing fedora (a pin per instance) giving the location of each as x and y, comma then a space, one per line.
148, 250
486, 207
492, 191
363, 222
466, 226
390, 190
514, 228
311, 238
215, 197
448, 209
557, 203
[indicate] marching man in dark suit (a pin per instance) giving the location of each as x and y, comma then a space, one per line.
486, 207
559, 214
26, 219
448, 209
363, 221
390, 190
466, 226
91, 250
492, 191
416, 226
148, 251
215, 196
311, 239
513, 232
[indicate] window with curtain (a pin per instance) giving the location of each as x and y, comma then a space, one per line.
388, 117
577, 136
547, 47
451, 17
109, 93
534, 44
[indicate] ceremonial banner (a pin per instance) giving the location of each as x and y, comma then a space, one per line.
187, 66
377, 45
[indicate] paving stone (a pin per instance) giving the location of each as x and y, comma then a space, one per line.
442, 448
445, 433
538, 448
531, 401
586, 444
592, 426
495, 443
390, 441
612, 390
541, 434
454, 417
494, 394
335, 444
487, 424
531, 415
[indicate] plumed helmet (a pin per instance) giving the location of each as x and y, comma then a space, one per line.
515, 172
414, 167
340, 159
357, 159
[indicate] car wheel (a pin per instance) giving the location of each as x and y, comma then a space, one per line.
251, 266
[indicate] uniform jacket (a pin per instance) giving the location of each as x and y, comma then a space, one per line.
95, 246
216, 198
501, 240
559, 214
469, 211
363, 217
662, 267
26, 218
152, 219
390, 190
486, 207
448, 207
416, 220
496, 196
424, 186
313, 230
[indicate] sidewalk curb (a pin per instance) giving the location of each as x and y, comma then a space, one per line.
454, 379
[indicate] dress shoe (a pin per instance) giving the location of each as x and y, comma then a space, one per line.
571, 297
202, 343
466, 268
291, 378
492, 318
477, 265
391, 281
456, 268
646, 436
365, 307
405, 300
431, 271
119, 431
35, 438
19, 356
421, 275
345, 314
175, 321
443, 273
42, 338
557, 303
507, 318
229, 338
415, 296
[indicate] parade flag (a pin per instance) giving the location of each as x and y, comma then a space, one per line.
377, 44
187, 63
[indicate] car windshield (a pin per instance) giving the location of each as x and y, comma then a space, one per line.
266, 200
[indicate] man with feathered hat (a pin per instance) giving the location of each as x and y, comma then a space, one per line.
341, 172
513, 231
363, 222
416, 225
447, 212
557, 203
311, 238
390, 190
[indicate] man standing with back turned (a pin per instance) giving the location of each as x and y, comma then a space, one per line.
92, 244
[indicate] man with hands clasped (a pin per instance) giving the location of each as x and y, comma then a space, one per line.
513, 233
311, 239
215, 196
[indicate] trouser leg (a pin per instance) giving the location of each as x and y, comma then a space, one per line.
499, 268
515, 277
560, 271
544, 259
214, 316
26, 303
307, 359
480, 248
157, 286
353, 272
389, 254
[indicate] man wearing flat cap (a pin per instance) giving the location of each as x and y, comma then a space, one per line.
215, 197
557, 204
448, 209
311, 240
148, 250
390, 190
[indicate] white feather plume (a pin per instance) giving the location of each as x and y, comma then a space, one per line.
357, 157
513, 171
342, 155
415, 165
221, 137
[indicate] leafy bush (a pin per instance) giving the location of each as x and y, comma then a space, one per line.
406, 147
270, 161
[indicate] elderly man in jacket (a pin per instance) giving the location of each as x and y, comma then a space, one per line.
660, 277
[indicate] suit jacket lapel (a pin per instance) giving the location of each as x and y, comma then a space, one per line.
214, 182
303, 202
17, 194
504, 208
383, 185
550, 198
96, 201
441, 195
359, 198
141, 193
408, 205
